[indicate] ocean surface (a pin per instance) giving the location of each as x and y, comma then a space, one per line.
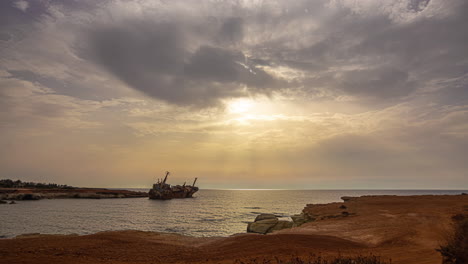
209, 213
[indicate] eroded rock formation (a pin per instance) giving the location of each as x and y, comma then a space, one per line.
267, 223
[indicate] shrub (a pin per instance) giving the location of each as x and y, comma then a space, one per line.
455, 251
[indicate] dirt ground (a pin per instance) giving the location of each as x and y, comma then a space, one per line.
404, 229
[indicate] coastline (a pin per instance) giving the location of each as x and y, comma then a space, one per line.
406, 229
18, 194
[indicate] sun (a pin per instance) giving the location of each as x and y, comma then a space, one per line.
240, 106
248, 111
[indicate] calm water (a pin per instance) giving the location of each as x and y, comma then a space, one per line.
211, 213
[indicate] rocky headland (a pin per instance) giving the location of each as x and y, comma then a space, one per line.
269, 223
61, 193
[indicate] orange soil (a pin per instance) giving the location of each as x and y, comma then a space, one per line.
405, 229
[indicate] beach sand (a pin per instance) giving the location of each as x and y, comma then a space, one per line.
405, 229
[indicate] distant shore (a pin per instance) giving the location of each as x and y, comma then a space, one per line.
64, 193
406, 229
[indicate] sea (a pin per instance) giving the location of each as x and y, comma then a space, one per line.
209, 213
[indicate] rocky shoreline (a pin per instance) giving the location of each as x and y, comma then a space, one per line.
268, 223
20, 194
405, 229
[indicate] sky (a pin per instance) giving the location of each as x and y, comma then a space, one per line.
306, 94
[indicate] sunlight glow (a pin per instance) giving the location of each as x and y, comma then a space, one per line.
246, 111
240, 106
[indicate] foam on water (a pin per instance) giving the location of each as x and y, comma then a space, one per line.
210, 213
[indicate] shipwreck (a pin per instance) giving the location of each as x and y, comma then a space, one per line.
163, 191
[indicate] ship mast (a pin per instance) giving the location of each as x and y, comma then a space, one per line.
165, 178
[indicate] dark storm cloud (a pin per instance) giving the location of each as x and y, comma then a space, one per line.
147, 57
214, 64
224, 66
155, 59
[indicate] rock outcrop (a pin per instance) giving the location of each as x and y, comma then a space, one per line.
317, 212
281, 224
300, 219
267, 223
261, 217
262, 226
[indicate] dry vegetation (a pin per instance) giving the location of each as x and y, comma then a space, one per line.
455, 251
317, 259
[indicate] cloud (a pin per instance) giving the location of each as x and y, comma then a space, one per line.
21, 5
381, 82
400, 48
159, 60
28, 108
223, 50
232, 30
402, 147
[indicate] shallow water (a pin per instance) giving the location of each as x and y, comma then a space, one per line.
210, 213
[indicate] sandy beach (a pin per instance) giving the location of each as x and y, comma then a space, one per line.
405, 229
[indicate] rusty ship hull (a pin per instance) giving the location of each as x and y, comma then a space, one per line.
163, 191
